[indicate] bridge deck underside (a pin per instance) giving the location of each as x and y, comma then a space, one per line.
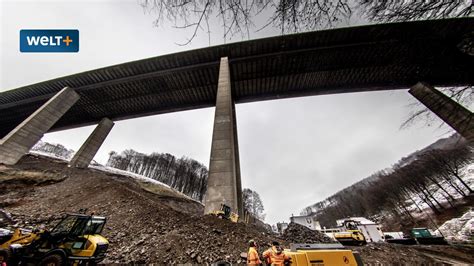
377, 57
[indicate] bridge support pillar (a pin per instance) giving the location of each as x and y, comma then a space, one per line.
20, 140
451, 112
88, 150
224, 183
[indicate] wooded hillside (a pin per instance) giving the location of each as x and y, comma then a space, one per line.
184, 174
433, 178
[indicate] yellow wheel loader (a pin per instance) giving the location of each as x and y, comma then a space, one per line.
351, 235
75, 240
226, 213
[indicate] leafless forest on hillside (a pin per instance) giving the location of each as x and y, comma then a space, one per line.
392, 192
183, 174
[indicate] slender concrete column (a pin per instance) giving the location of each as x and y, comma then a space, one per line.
451, 112
86, 153
20, 140
224, 184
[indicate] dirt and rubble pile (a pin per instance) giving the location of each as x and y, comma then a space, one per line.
179, 238
296, 233
142, 227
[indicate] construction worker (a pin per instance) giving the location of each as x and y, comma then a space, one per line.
276, 256
252, 255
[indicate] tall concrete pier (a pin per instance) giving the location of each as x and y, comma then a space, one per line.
20, 140
88, 150
451, 112
224, 183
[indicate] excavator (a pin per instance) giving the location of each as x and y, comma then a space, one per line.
225, 212
351, 236
74, 240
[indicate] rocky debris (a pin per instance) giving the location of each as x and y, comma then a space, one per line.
142, 227
5, 218
188, 239
30, 222
296, 233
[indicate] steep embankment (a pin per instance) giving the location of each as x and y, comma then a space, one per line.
142, 226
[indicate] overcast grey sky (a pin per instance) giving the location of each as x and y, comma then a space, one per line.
293, 152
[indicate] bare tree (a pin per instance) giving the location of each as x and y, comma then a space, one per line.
290, 16
253, 204
234, 16
453, 161
238, 16
396, 10
297, 15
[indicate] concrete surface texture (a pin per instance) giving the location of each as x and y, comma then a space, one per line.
451, 112
223, 185
86, 153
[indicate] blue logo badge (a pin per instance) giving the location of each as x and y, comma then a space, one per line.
49, 41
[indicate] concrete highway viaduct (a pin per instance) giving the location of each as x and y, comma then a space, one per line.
417, 55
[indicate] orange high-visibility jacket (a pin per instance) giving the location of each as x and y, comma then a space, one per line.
273, 258
252, 257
